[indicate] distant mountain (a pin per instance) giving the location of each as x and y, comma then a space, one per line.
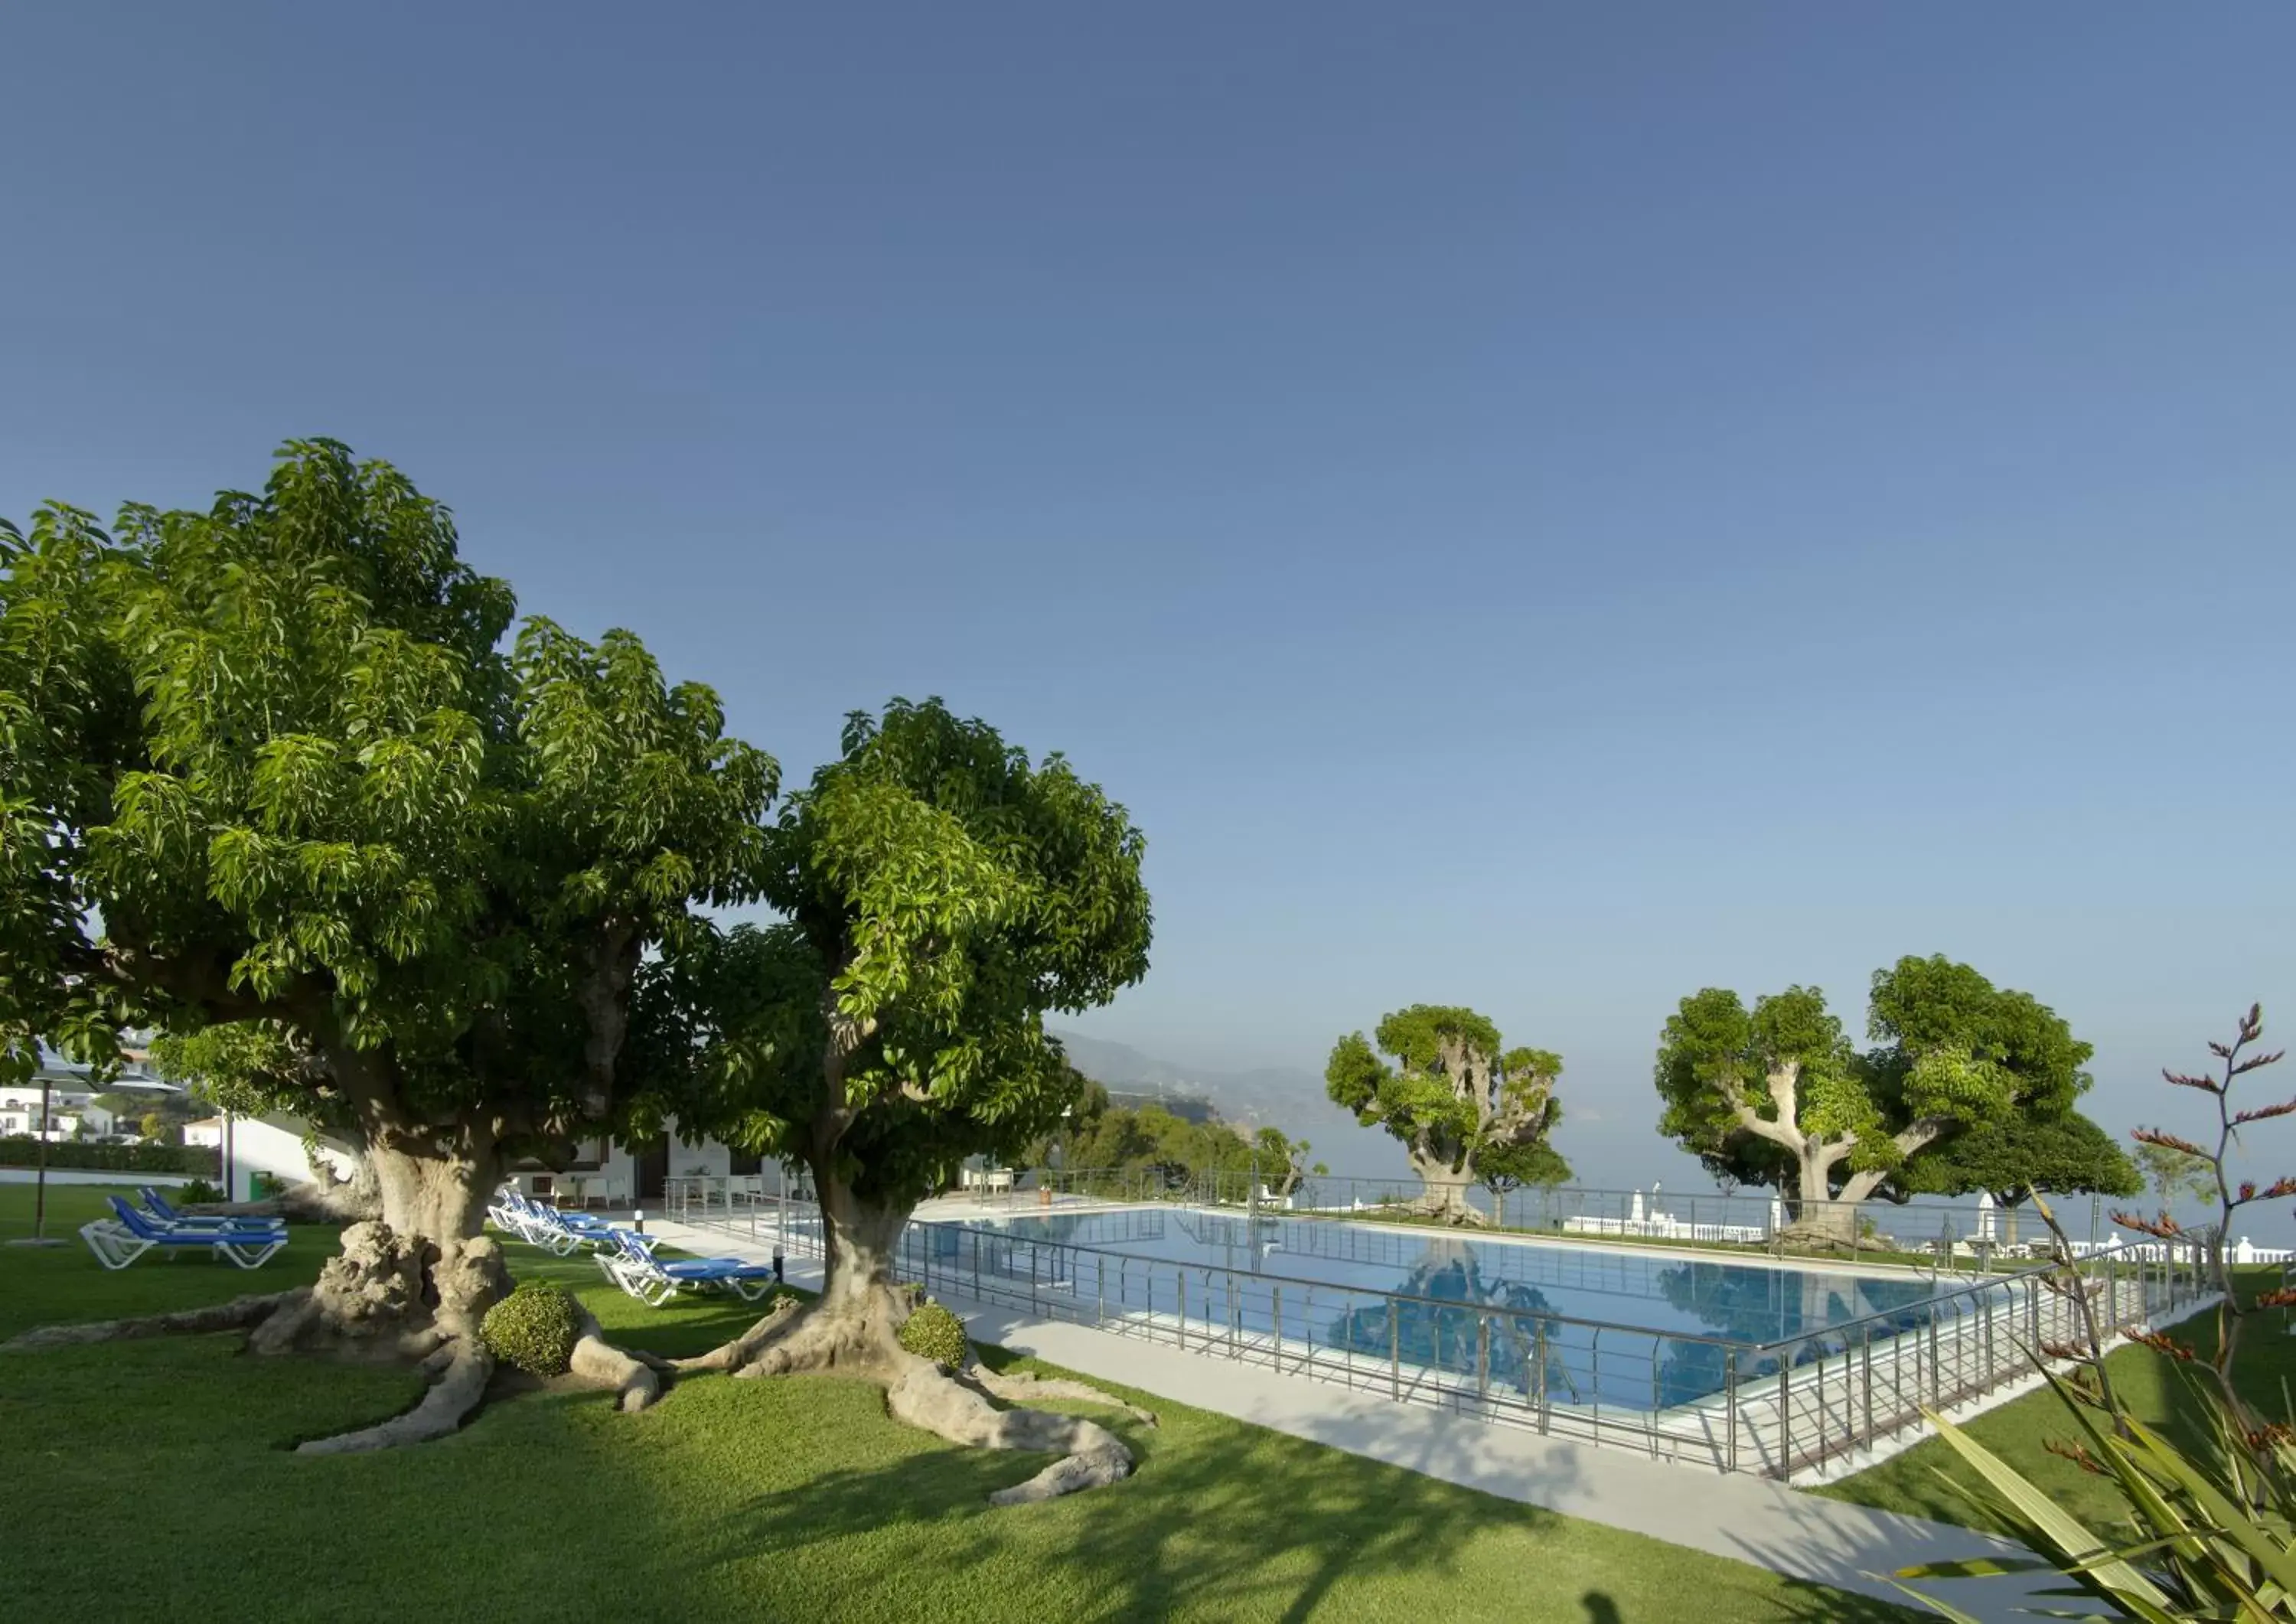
1269, 1096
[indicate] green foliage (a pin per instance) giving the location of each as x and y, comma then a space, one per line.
245, 1067
940, 895
1539, 1165
198, 1192
2012, 1159
1714, 1053
277, 748
535, 1328
2204, 1536
932, 1332
1453, 1093
1100, 1137
1954, 1056
198, 1158
2172, 1172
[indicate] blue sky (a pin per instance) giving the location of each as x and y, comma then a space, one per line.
1547, 508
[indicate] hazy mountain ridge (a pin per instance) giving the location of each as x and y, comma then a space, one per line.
1265, 1096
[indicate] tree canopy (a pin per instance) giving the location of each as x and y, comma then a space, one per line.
2175, 1173
269, 765
1539, 1165
1452, 1093
940, 895
2020, 1155
1778, 1094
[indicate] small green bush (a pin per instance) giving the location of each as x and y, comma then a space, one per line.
198, 1192
933, 1333
534, 1328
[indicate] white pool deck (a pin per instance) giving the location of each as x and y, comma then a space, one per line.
1734, 1515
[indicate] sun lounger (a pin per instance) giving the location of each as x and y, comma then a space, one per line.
119, 1241
163, 1211
654, 1282
555, 1232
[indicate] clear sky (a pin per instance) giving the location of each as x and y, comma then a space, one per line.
1536, 506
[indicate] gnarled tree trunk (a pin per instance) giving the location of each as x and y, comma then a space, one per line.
854, 1327
425, 1271
413, 1283
1443, 1188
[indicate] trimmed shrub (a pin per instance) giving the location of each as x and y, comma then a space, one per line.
534, 1328
203, 1159
933, 1333
198, 1192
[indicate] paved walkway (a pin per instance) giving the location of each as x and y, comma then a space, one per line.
1744, 1518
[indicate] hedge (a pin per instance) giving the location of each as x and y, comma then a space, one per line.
199, 1160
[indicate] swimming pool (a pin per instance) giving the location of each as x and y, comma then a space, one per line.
1639, 1330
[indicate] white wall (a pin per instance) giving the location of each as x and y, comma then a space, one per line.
275, 1145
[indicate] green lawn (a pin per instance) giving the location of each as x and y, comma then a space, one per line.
792, 1499
2153, 1387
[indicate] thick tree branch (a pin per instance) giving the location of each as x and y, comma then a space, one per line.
1920, 1135
1779, 1132
605, 995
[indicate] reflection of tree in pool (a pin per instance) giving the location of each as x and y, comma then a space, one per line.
1428, 1334
1761, 1305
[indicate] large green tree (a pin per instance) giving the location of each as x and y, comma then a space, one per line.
270, 765
1451, 1094
1952, 1053
1505, 1168
939, 894
2022, 1156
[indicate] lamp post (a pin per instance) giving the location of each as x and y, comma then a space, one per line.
40, 1180
39, 1235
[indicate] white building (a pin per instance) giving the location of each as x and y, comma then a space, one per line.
604, 1173
70, 1092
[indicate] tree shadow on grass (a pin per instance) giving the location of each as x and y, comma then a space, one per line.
1219, 1521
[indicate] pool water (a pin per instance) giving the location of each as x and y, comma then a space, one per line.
1620, 1326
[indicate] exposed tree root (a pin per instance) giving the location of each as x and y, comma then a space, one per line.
860, 1338
1457, 1214
600, 1364
777, 1322
1823, 1237
236, 1315
462, 1366
1020, 1388
1092, 1456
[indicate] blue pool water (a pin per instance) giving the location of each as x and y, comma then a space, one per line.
1320, 1275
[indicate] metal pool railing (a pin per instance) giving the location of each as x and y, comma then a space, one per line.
1778, 1407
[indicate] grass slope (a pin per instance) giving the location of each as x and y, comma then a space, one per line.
794, 1499
2154, 1388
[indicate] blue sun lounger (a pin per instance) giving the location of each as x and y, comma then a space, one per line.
634, 1267
119, 1241
163, 1211
556, 1231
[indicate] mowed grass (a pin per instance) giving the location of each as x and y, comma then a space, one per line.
42, 1285
2156, 1388
154, 1479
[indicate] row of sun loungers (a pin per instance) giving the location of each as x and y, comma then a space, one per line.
157, 1226
626, 1257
